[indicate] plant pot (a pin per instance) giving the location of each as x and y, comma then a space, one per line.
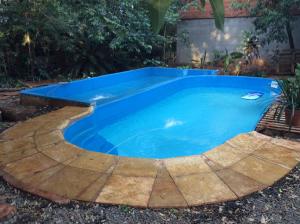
295, 120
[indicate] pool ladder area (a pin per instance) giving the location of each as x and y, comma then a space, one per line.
88, 138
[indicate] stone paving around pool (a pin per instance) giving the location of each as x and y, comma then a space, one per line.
35, 157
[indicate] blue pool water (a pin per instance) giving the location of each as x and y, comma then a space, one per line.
161, 112
181, 117
187, 123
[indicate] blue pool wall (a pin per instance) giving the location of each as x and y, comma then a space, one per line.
66, 91
108, 113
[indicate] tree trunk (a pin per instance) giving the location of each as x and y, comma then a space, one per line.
290, 35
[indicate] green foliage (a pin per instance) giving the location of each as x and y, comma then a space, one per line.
290, 95
158, 8
250, 46
203, 59
240, 5
218, 11
7, 82
291, 90
236, 55
157, 11
218, 55
45, 38
274, 19
227, 61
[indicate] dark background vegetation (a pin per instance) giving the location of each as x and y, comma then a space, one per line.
46, 39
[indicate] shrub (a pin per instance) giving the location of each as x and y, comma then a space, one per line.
71, 38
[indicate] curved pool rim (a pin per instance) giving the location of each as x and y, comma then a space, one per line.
52, 168
261, 85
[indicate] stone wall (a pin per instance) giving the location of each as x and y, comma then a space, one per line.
202, 35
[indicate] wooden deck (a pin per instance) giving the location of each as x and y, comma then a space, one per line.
287, 61
272, 123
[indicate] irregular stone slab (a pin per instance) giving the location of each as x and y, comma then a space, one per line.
17, 155
29, 188
91, 193
6, 210
29, 166
62, 151
213, 165
20, 130
48, 139
99, 162
12, 146
186, 165
136, 167
39, 177
72, 112
80, 112
225, 155
52, 125
294, 145
241, 185
204, 188
69, 182
134, 191
245, 143
165, 193
279, 155
260, 136
260, 170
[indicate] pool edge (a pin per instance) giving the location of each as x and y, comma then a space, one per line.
228, 172
35, 100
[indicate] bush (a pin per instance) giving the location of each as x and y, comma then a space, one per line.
45, 38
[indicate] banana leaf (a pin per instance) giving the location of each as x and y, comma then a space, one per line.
158, 9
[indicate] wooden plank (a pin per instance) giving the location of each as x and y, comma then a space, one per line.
268, 122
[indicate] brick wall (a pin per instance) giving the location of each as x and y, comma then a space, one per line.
229, 11
207, 13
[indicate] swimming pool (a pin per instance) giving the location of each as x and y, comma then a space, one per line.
182, 116
106, 88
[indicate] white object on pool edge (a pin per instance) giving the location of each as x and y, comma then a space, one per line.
252, 96
274, 84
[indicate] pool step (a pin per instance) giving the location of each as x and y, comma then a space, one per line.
84, 140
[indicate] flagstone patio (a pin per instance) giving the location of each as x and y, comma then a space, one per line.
35, 157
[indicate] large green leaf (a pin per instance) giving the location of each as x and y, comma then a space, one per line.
158, 9
218, 11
